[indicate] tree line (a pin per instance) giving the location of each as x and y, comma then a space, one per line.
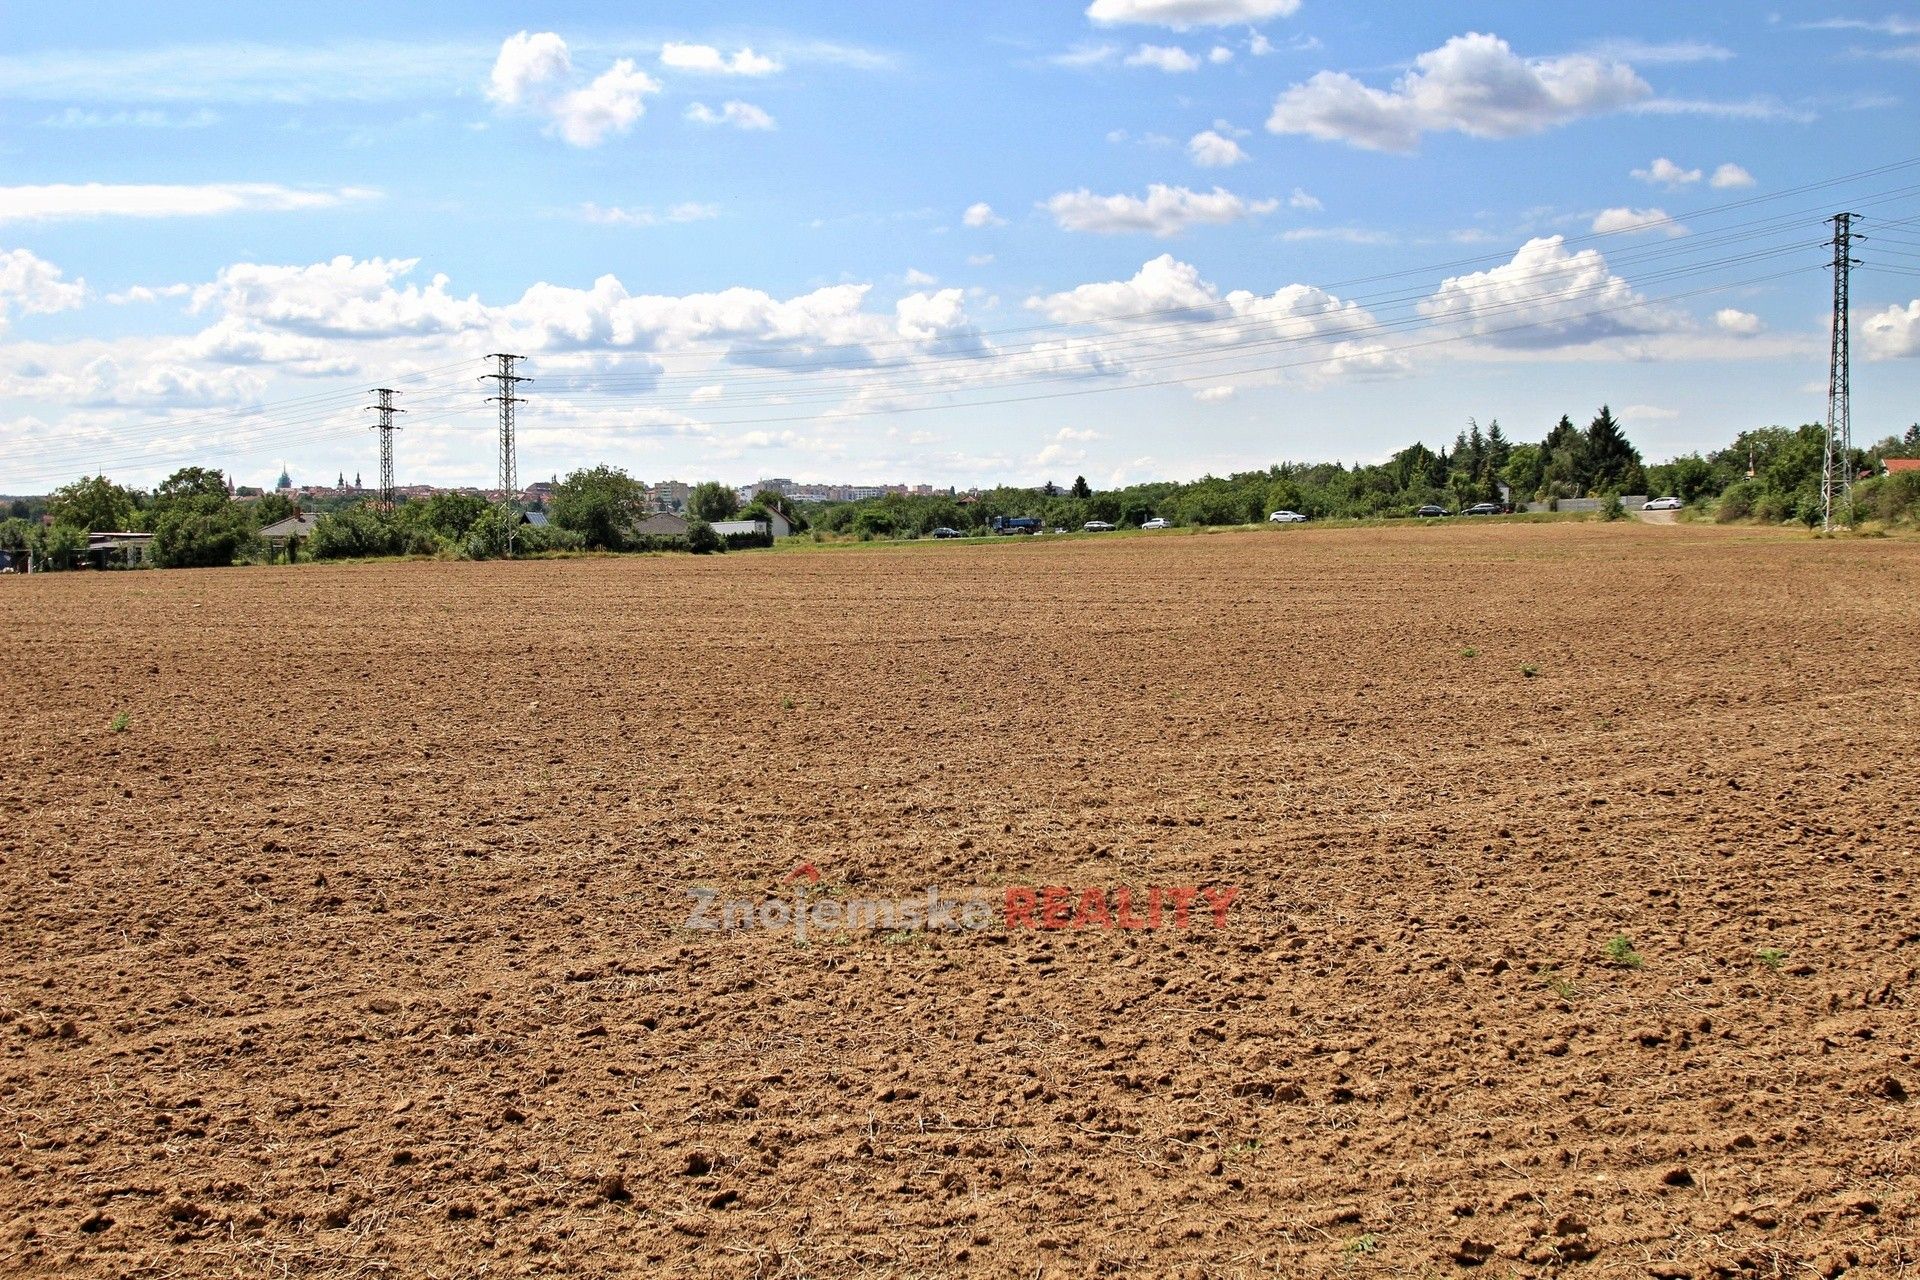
1480, 466
1770, 474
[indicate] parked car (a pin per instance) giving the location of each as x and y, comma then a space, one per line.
1662, 504
1158, 522
1287, 517
944, 532
1483, 509
1429, 511
1097, 526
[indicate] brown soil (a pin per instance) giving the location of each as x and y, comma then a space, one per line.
360, 947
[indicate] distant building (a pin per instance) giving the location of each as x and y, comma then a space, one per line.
1891, 466
662, 525
669, 495
776, 524
285, 481
287, 535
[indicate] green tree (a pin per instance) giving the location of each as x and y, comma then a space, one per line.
486, 538
601, 505
56, 546
15, 534
1080, 488
191, 482
195, 524
451, 515
200, 535
356, 533
93, 503
702, 540
1524, 472
1612, 463
272, 508
711, 500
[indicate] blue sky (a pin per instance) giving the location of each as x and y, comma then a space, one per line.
952, 244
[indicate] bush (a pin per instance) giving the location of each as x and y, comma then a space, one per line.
201, 533
1772, 508
748, 541
487, 536
702, 540
1738, 502
533, 540
55, 547
355, 534
1890, 499
1611, 508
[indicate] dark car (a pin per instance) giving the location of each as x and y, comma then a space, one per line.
1431, 510
1483, 509
944, 532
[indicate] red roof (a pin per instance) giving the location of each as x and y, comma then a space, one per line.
1902, 464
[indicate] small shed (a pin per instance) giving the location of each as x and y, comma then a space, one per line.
117, 547
287, 535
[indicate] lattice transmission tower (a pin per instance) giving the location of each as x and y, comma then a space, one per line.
506, 379
1836, 485
386, 429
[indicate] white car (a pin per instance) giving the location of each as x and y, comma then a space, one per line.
1158, 522
1287, 517
1097, 526
1662, 504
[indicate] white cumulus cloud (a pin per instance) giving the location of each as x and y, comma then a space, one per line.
1735, 321
1729, 176
1665, 173
1894, 333
534, 73
1473, 84
608, 105
1629, 221
707, 59
1181, 14
1333, 336
741, 115
1163, 57
981, 214
1163, 211
342, 297
527, 62
1545, 297
34, 286
1211, 151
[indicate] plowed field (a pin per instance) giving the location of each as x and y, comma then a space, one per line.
347, 911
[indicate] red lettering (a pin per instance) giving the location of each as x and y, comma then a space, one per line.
1123, 909
1182, 899
1093, 910
1218, 900
1055, 909
1020, 904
